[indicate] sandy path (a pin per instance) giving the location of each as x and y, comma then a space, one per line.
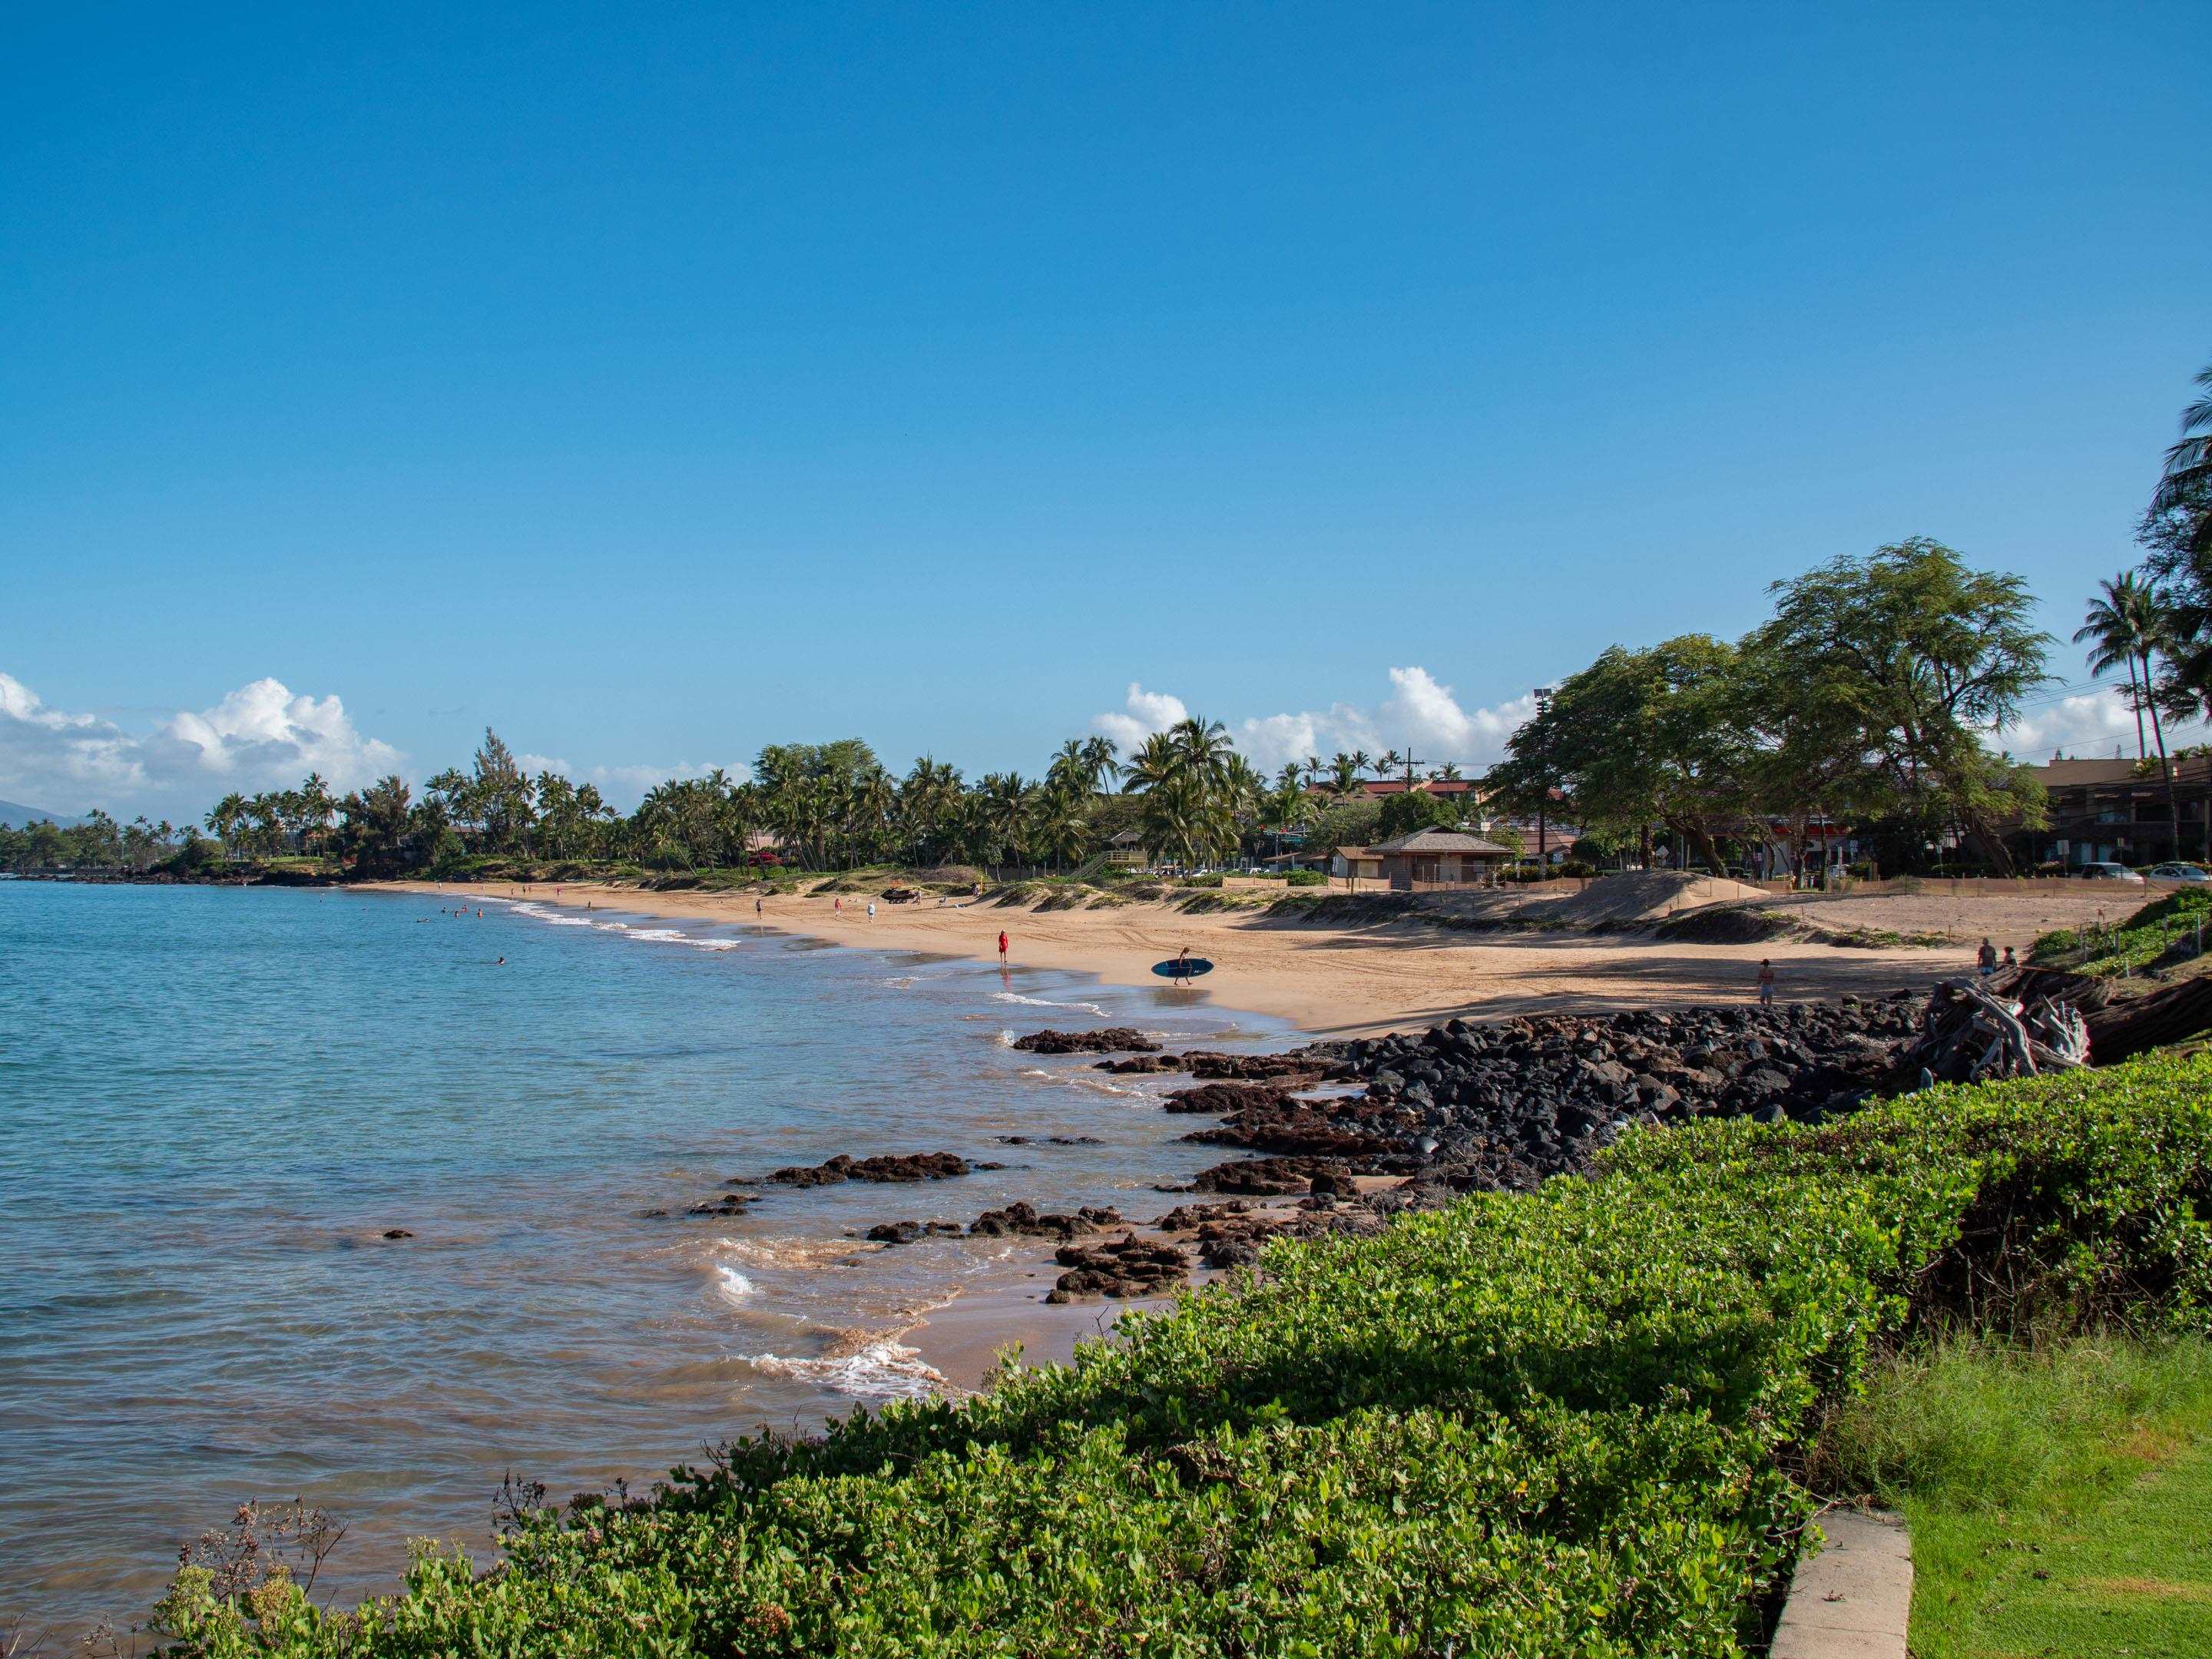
1330, 980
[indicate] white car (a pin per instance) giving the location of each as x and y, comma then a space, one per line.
2109, 872
2179, 873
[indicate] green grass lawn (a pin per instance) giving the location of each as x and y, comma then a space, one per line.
2060, 1502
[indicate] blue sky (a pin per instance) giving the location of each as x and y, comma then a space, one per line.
652, 384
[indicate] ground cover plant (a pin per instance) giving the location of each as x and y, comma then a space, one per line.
1561, 1422
2059, 1493
2164, 927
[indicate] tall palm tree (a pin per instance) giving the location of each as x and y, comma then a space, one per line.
2125, 627
2185, 486
1344, 775
2121, 629
1361, 760
1102, 760
1202, 747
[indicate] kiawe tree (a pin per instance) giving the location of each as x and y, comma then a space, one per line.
1638, 738
1915, 658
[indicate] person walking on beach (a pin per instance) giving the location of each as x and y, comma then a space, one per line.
1002, 947
872, 909
1986, 959
1765, 982
756, 909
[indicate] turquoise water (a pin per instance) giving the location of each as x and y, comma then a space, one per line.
215, 1102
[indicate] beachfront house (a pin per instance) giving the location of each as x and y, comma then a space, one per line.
1438, 858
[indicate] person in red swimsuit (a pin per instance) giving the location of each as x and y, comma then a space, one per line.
1002, 944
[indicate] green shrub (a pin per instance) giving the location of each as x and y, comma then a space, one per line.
1307, 879
2148, 935
1548, 1423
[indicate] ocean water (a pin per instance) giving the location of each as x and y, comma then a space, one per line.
214, 1104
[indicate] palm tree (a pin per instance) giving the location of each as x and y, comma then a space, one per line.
1391, 762
1202, 747
2124, 628
1361, 760
1344, 775
2185, 486
1102, 757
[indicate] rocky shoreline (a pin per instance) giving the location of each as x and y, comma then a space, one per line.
1339, 1136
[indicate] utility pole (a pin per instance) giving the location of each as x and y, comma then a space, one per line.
1543, 696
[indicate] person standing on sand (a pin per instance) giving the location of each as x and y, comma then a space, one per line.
1986, 959
1002, 947
872, 909
1765, 982
756, 909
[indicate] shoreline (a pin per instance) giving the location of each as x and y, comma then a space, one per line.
1326, 981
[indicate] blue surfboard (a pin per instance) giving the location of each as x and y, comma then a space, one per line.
1188, 970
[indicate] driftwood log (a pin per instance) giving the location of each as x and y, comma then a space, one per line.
1973, 1034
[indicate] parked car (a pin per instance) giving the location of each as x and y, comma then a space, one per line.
2109, 872
2180, 872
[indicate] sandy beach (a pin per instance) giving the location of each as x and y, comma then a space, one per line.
1333, 982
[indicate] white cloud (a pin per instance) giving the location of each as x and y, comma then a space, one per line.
1420, 712
2093, 725
1147, 712
259, 737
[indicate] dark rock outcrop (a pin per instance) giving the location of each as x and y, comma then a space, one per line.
1023, 1218
907, 1166
1125, 1267
1112, 1040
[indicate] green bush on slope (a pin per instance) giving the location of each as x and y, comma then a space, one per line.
1551, 1423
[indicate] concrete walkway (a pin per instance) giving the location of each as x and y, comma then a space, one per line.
1852, 1601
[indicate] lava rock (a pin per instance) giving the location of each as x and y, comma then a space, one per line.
1114, 1039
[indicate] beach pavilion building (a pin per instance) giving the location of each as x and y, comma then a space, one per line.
1438, 858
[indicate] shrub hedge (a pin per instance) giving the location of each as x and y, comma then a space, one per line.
1561, 1422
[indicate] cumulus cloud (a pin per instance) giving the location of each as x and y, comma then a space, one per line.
259, 737
2093, 725
1420, 711
1142, 713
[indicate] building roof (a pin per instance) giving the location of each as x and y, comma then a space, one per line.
1442, 840
2102, 774
1127, 838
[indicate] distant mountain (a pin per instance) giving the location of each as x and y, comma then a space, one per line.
14, 814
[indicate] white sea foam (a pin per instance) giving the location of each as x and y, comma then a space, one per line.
882, 1368
1090, 1080
731, 1285
1044, 1002
549, 918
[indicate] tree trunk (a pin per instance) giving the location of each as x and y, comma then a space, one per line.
2165, 767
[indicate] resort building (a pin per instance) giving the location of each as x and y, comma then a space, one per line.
2114, 812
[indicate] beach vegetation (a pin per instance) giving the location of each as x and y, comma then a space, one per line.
2168, 925
1584, 1419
